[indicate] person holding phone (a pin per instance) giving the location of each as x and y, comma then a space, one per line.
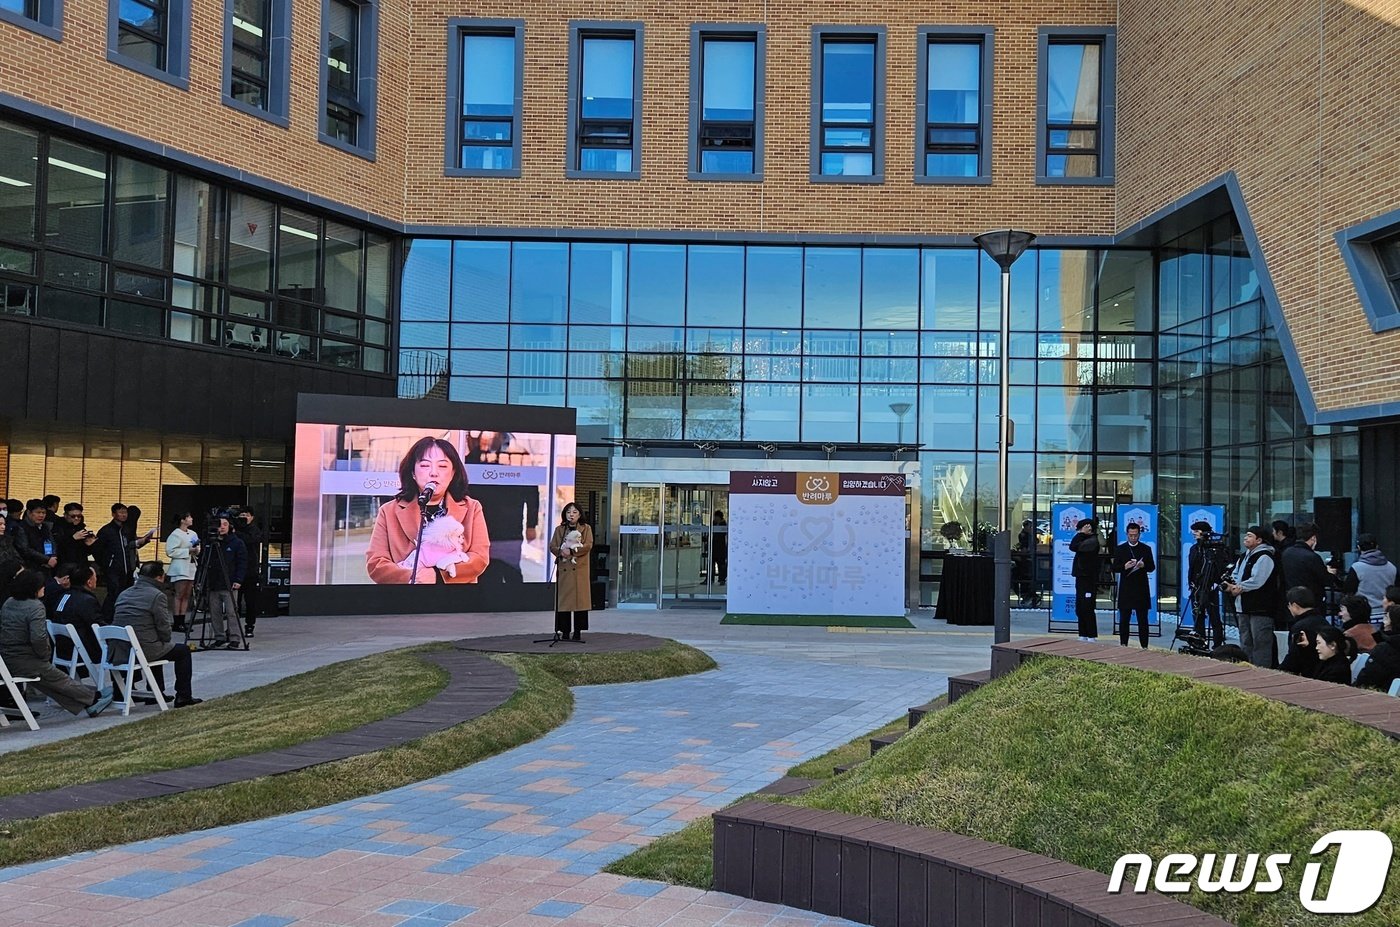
75, 540
1132, 562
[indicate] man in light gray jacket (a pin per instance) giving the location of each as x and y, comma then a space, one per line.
1370, 574
145, 608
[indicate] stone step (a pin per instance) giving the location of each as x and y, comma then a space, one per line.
916, 714
884, 740
958, 686
789, 785
844, 768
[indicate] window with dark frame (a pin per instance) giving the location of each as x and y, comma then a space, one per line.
344, 109
250, 25
952, 144
143, 31
847, 134
1073, 114
488, 119
29, 9
606, 121
728, 132
1388, 254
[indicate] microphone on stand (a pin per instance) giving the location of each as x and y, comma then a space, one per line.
427, 493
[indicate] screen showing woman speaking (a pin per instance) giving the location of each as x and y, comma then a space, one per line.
423, 505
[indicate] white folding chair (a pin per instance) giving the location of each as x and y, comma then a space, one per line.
11, 684
1395, 688
112, 638
78, 658
1358, 665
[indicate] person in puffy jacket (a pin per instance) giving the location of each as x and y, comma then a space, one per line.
25, 646
1370, 574
1383, 668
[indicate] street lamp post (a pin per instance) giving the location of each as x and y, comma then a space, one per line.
901, 409
1004, 246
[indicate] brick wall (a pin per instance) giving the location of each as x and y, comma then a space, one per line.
1300, 100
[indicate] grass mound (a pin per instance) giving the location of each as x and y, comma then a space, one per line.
817, 621
541, 702
1085, 763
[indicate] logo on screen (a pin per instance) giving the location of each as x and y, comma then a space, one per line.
1071, 517
817, 488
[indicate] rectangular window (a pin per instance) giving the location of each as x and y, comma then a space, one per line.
605, 67
485, 68
954, 105
349, 38
848, 106
1388, 252
257, 67
1371, 251
726, 102
42, 16
1076, 105
152, 37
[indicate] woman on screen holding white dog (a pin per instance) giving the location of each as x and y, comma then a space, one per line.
433, 488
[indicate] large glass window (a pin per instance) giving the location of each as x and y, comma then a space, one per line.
598, 284
953, 125
605, 137
653, 294
727, 132
488, 121
715, 286
480, 281
831, 297
774, 287
539, 282
19, 155
850, 109
140, 199
1388, 251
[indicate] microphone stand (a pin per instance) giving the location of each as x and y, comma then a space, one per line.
418, 545
559, 636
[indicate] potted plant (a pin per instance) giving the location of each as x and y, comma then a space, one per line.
952, 532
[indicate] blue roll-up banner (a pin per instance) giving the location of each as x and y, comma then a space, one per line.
1214, 515
1144, 515
1063, 517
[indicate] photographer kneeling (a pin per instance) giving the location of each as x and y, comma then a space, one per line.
145, 608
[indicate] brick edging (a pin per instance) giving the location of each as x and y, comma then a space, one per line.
475, 686
898, 875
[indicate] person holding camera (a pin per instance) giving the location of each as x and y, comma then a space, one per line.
225, 580
1202, 572
1085, 569
1255, 590
1133, 562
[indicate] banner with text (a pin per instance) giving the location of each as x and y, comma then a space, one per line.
1144, 515
1063, 517
1213, 515
815, 543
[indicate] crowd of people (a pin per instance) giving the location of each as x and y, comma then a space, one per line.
50, 567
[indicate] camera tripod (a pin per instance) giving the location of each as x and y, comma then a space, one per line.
213, 563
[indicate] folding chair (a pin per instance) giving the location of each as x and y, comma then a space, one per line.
18, 696
79, 656
110, 637
1359, 665
1395, 688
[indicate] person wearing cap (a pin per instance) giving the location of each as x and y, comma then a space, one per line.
1256, 596
1085, 569
1371, 572
1203, 568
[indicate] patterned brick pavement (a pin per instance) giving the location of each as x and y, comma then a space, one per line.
515, 840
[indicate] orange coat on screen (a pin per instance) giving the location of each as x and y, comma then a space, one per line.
396, 533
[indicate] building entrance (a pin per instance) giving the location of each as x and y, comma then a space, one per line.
695, 558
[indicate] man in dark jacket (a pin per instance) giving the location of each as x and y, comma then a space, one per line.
226, 574
252, 537
1307, 620
34, 541
1132, 562
1085, 545
1204, 565
146, 610
1303, 566
79, 607
75, 541
1256, 593
116, 559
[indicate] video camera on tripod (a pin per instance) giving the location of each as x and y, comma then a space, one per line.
214, 597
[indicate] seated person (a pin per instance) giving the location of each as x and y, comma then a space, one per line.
55, 586
1356, 622
145, 608
78, 606
1384, 666
25, 647
1307, 621
1331, 664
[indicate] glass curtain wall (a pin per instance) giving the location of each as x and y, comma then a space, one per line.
784, 344
1229, 427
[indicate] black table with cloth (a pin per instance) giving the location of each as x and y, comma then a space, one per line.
967, 590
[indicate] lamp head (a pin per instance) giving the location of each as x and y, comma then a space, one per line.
1004, 245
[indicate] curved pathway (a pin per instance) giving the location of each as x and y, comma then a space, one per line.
475, 686
516, 839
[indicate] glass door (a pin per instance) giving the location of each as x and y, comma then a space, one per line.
639, 551
695, 543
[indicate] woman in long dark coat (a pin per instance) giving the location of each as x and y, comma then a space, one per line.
571, 546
